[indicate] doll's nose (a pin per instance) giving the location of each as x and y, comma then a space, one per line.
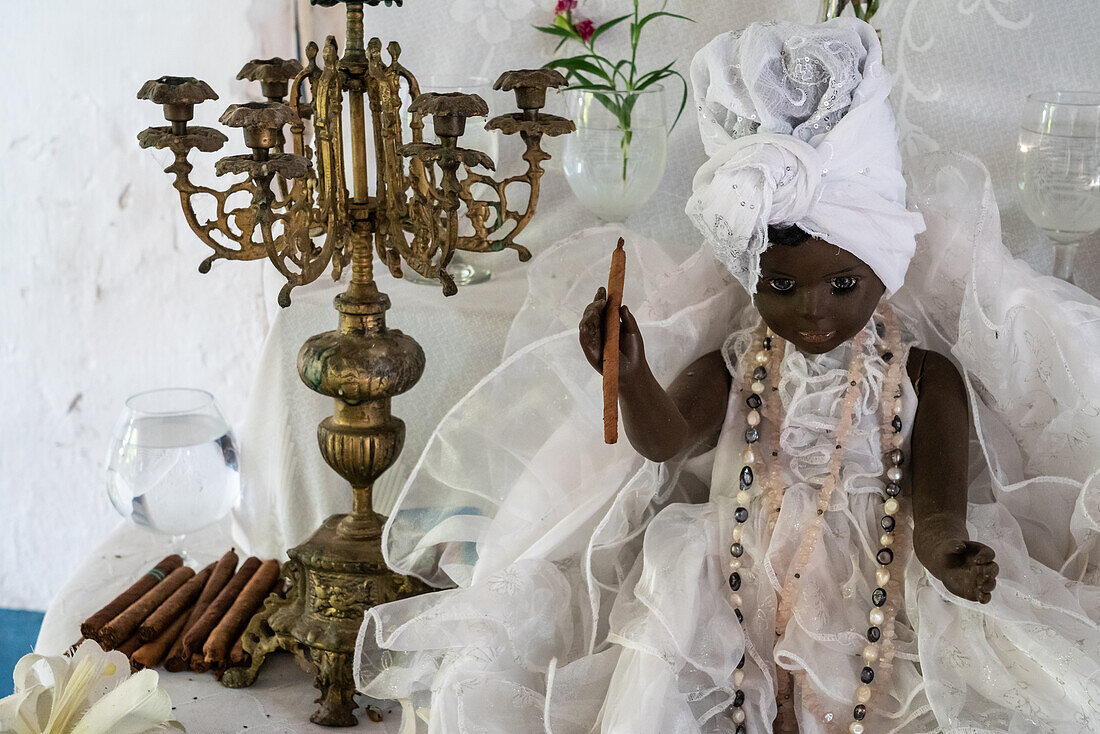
810, 304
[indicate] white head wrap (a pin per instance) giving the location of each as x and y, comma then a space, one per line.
799, 132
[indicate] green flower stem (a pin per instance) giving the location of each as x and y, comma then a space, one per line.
595, 73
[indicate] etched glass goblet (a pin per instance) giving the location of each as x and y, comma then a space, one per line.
172, 463
1058, 170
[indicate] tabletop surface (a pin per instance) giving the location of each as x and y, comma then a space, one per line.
279, 702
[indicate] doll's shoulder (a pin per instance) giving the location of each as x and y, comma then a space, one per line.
931, 371
713, 366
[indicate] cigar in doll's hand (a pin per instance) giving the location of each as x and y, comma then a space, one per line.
230, 627
177, 659
615, 282
90, 627
122, 627
195, 638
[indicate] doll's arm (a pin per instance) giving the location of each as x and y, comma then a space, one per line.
659, 424
938, 473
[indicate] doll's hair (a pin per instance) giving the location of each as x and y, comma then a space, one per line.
790, 236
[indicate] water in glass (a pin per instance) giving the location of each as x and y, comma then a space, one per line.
1059, 181
615, 160
173, 462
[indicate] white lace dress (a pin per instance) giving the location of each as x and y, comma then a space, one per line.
682, 641
677, 623
576, 611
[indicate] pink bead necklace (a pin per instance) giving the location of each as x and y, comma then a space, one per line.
762, 479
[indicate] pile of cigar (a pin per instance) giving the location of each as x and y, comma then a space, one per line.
184, 620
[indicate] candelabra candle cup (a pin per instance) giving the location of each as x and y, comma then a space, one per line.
273, 74
172, 463
1058, 170
178, 96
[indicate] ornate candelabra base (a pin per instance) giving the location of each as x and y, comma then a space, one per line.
333, 579
340, 572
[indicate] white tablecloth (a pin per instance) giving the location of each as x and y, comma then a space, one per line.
288, 489
281, 700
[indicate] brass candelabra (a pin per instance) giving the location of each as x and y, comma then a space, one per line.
300, 215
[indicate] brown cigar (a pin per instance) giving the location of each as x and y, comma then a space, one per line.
236, 618
198, 663
124, 625
615, 282
195, 637
174, 606
91, 626
177, 659
72, 647
238, 658
151, 653
128, 647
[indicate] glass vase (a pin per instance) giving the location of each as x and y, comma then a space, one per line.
616, 158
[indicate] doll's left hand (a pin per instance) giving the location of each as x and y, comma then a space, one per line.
965, 567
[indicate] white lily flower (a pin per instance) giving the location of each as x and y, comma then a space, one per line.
90, 693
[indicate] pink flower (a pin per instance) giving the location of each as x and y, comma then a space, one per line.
564, 6
585, 29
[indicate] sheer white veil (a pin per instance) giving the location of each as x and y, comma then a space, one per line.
1026, 345
536, 525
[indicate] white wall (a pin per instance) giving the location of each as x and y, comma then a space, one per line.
99, 292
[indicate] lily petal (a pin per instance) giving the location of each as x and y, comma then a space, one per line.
136, 706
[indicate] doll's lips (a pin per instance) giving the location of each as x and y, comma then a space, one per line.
817, 337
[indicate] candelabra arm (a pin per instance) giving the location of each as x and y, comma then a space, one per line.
479, 211
532, 126
327, 115
225, 218
293, 252
302, 111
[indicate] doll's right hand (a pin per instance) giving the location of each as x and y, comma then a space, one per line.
631, 348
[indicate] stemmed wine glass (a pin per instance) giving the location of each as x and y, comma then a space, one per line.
172, 464
1058, 169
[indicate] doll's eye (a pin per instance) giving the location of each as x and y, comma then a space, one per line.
843, 283
781, 285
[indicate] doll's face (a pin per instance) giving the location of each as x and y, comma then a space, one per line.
815, 294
